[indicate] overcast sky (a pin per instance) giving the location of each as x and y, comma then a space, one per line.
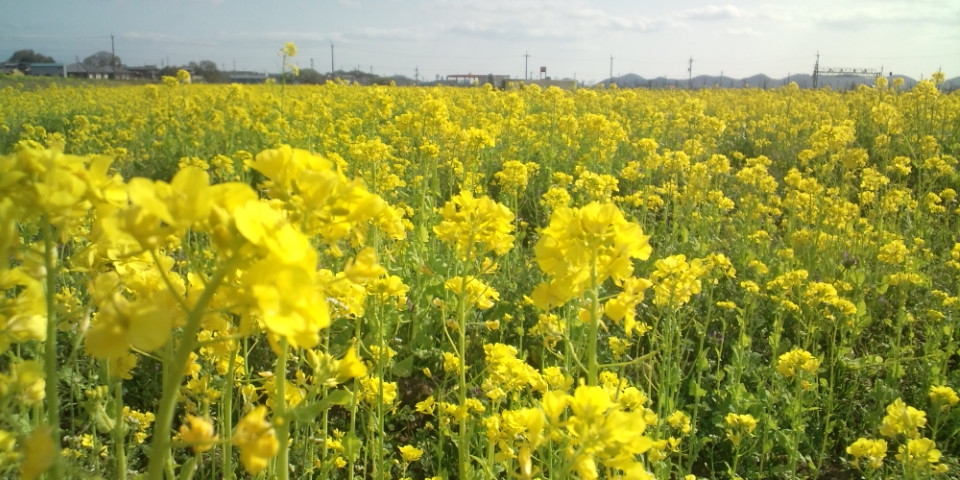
571, 38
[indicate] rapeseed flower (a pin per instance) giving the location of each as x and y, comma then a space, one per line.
514, 175
451, 363
507, 374
943, 396
894, 252
409, 453
374, 390
38, 454
675, 280
475, 226
868, 453
680, 421
623, 306
475, 291
289, 50
902, 419
583, 247
738, 426
600, 429
23, 315
198, 433
921, 453
797, 361
256, 439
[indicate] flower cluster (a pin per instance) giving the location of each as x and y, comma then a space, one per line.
583, 247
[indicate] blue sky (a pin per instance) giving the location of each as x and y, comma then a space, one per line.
572, 38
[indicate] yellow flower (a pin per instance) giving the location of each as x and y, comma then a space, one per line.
623, 306
918, 452
364, 267
28, 382
256, 439
590, 403
943, 396
583, 246
795, 361
675, 280
893, 253
478, 293
426, 406
475, 226
24, 317
158, 209
553, 403
451, 363
374, 390
289, 49
38, 454
515, 174
198, 432
680, 421
870, 451
738, 426
507, 373
350, 366
409, 453
902, 419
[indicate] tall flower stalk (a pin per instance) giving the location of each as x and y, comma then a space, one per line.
579, 250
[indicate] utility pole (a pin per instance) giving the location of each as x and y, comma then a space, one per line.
416, 75
113, 57
526, 61
690, 74
611, 71
311, 63
331, 59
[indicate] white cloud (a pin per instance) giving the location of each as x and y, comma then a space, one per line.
393, 34
715, 12
744, 31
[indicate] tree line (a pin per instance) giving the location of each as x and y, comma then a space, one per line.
207, 69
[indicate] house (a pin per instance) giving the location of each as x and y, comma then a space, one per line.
146, 72
471, 79
80, 70
37, 69
247, 77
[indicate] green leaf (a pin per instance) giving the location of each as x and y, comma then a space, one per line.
403, 368
696, 390
313, 410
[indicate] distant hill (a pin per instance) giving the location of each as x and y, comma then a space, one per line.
803, 80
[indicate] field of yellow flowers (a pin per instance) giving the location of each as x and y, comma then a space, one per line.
282, 281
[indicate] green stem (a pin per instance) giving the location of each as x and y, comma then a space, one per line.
51, 372
189, 469
226, 420
119, 429
380, 467
160, 446
325, 422
830, 401
593, 329
281, 423
462, 447
796, 426
354, 403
